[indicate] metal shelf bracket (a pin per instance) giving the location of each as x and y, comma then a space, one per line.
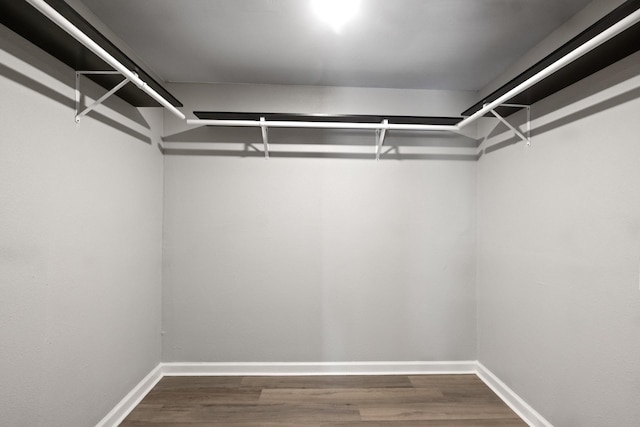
526, 136
81, 114
265, 136
380, 135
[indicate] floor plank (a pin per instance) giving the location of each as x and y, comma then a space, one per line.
436, 411
329, 381
322, 401
353, 396
432, 423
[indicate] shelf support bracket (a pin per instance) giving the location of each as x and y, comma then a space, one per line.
81, 114
265, 136
380, 135
525, 138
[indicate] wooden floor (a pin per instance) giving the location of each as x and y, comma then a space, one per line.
433, 400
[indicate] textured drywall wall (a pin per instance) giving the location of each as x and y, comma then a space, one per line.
559, 253
80, 246
317, 259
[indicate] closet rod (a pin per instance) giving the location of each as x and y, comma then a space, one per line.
74, 32
323, 125
583, 49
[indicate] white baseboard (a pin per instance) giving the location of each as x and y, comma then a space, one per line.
515, 402
320, 368
131, 400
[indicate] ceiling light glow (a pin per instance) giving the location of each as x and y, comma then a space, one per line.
336, 12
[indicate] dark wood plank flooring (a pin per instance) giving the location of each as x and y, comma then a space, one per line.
398, 400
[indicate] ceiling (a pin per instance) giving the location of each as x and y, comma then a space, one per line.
409, 44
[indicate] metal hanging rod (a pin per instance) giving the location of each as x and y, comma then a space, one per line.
322, 125
81, 37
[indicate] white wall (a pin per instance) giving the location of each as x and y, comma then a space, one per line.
317, 259
80, 245
559, 252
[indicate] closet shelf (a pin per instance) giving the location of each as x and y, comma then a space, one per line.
327, 118
22, 18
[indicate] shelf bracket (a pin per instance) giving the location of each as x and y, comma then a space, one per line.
265, 136
525, 137
380, 134
81, 114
